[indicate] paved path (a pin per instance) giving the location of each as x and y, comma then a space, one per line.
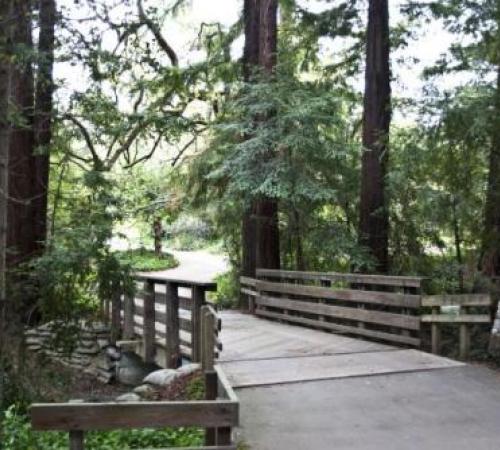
302, 389
198, 265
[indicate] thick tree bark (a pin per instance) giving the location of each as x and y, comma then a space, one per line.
260, 233
374, 220
251, 13
5, 91
491, 237
43, 118
267, 232
21, 239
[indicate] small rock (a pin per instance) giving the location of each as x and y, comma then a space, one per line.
130, 397
161, 377
188, 369
144, 390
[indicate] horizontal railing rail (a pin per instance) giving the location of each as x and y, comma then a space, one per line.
380, 307
470, 309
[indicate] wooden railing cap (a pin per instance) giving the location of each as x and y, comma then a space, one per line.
184, 282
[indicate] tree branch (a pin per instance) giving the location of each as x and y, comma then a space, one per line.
153, 27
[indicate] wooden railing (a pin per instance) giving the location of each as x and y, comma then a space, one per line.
218, 413
470, 309
345, 303
164, 317
386, 308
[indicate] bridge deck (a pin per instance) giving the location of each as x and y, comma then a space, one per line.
302, 389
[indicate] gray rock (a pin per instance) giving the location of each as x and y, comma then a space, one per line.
131, 369
188, 369
130, 397
144, 389
162, 377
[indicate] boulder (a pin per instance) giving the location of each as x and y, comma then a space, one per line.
131, 369
162, 377
144, 390
130, 397
188, 369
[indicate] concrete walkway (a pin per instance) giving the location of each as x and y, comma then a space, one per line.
302, 389
198, 265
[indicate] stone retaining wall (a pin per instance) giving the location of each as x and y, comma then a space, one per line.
88, 355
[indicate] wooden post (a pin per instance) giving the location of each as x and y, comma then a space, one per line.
173, 340
197, 301
115, 312
464, 348
149, 332
224, 436
436, 333
76, 440
324, 283
128, 316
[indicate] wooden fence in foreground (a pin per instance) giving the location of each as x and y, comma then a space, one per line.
386, 308
218, 413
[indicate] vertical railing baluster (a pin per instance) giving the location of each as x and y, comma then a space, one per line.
115, 311
173, 340
149, 332
128, 316
197, 301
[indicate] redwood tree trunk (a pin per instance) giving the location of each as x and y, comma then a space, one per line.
267, 233
21, 238
374, 220
43, 118
5, 91
251, 13
491, 238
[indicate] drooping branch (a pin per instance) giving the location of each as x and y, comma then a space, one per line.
155, 29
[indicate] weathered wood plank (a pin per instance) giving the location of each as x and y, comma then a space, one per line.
248, 292
109, 416
464, 318
173, 327
128, 316
370, 297
248, 281
343, 312
457, 300
391, 337
149, 322
383, 280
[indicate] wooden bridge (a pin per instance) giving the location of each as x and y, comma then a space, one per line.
301, 359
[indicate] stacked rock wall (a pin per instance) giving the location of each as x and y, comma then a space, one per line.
88, 351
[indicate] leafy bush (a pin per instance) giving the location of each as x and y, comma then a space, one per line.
228, 290
18, 435
146, 260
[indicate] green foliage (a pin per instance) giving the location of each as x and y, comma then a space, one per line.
145, 260
18, 435
228, 290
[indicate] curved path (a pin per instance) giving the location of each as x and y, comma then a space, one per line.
199, 265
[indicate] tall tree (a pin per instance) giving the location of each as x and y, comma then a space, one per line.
267, 231
21, 238
260, 232
251, 16
5, 83
374, 221
43, 117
